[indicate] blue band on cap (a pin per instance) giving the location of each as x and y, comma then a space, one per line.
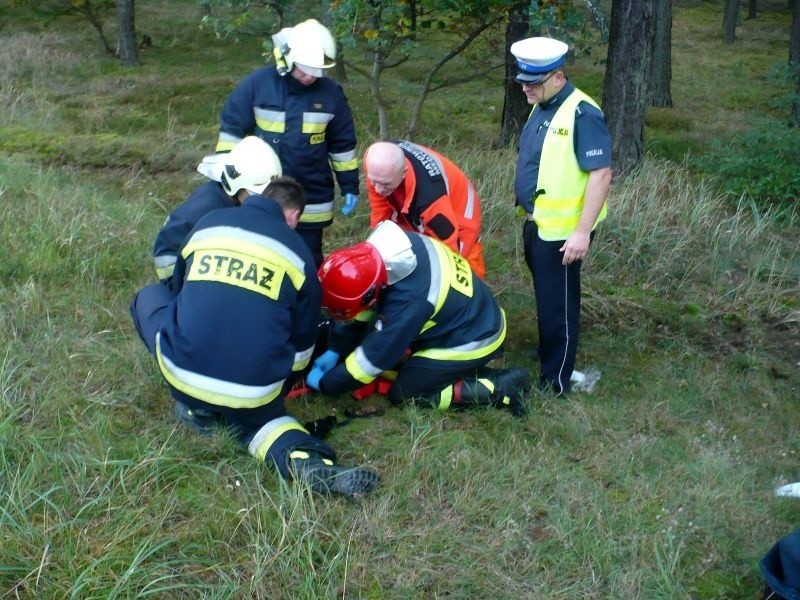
526, 67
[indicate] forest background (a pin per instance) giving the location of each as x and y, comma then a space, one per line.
658, 484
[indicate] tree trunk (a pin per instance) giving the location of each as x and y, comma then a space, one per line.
126, 37
661, 63
729, 19
794, 61
599, 18
625, 83
515, 104
752, 9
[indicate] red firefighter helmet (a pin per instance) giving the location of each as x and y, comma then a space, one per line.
352, 280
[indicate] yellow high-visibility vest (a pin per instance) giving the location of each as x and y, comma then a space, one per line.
558, 209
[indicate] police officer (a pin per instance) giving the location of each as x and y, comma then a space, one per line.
240, 323
306, 119
562, 179
209, 196
425, 298
421, 190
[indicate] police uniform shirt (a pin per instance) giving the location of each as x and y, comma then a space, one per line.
591, 140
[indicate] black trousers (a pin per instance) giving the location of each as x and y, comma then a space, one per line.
148, 309
424, 378
557, 289
313, 239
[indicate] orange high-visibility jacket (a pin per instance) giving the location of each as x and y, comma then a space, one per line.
435, 198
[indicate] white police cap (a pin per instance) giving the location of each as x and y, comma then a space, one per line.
537, 56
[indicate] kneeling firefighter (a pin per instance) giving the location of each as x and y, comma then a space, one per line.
406, 302
239, 323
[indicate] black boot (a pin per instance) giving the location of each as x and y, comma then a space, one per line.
324, 477
201, 421
499, 388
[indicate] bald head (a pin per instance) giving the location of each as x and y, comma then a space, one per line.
386, 167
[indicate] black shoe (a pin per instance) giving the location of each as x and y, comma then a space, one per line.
325, 478
515, 385
201, 421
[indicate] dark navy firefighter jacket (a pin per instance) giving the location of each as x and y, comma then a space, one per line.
310, 127
180, 222
442, 312
246, 315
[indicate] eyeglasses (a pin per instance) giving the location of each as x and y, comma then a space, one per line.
539, 83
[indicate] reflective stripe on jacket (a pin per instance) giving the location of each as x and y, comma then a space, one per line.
441, 311
247, 311
435, 198
310, 127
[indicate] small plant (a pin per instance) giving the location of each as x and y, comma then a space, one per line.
761, 164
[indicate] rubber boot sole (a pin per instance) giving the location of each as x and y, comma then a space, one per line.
351, 482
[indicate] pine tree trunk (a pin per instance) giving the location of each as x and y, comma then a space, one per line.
752, 9
794, 61
126, 37
625, 84
729, 19
515, 104
661, 62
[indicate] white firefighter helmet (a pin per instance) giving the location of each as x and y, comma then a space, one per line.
395, 249
309, 45
212, 164
250, 165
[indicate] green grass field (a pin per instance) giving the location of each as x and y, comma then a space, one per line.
658, 485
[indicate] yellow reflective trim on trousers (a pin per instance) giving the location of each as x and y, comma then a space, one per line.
303, 455
261, 451
455, 354
347, 165
446, 398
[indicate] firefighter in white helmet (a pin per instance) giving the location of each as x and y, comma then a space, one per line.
239, 324
305, 117
211, 195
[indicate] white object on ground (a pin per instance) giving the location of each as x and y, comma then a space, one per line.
584, 381
790, 489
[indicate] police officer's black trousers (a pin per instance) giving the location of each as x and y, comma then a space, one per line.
557, 289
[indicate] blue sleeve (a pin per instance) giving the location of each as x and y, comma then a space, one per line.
592, 139
341, 137
306, 317
237, 117
400, 322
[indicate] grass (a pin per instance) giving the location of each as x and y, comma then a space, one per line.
657, 485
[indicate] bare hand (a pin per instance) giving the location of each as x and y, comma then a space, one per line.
575, 248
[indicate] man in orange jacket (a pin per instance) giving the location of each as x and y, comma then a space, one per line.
422, 191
